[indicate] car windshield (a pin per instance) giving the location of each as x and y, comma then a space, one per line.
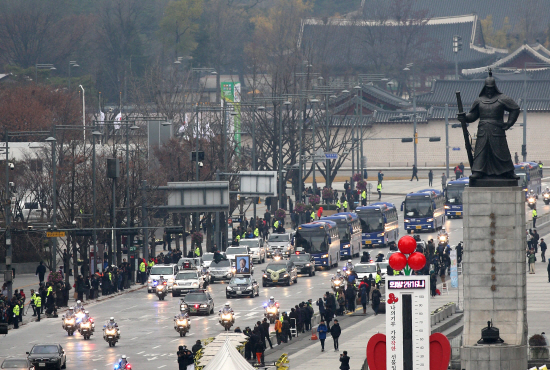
300, 258
276, 266
362, 269
240, 280
186, 275
343, 229
236, 250
418, 207
383, 265
278, 238
223, 263
208, 257
312, 240
196, 297
15, 364
454, 193
252, 243
44, 349
371, 221
161, 270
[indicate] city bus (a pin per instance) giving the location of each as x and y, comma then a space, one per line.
349, 231
453, 197
379, 225
321, 240
530, 176
424, 210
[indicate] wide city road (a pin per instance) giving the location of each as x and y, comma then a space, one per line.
146, 324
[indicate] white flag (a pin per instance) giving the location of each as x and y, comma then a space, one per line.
101, 118
118, 118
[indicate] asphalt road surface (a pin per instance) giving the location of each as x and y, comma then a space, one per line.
147, 334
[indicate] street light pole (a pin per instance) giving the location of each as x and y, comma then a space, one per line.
313, 101
447, 141
54, 199
94, 198
524, 146
9, 248
197, 160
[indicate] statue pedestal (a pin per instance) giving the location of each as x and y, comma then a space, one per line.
494, 273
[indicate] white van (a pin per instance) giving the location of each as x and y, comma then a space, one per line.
168, 272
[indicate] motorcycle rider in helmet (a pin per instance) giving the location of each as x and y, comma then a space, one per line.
79, 307
69, 315
111, 324
271, 302
122, 362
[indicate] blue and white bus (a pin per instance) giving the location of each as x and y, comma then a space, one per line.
453, 197
321, 240
349, 230
424, 210
379, 225
530, 177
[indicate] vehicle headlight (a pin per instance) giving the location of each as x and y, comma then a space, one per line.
265, 275
249, 287
380, 235
85, 325
170, 280
337, 282
229, 288
308, 265
195, 284
405, 220
204, 305
430, 219
272, 309
184, 306
286, 275
181, 322
346, 246
110, 331
547, 195
149, 281
226, 316
447, 207
324, 256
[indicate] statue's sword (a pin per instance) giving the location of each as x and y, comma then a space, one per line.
467, 142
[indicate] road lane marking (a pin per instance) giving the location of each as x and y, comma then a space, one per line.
160, 367
153, 358
134, 338
156, 347
139, 353
175, 340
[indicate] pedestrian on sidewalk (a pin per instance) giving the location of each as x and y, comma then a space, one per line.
41, 271
380, 177
433, 284
322, 330
376, 300
265, 331
534, 214
414, 173
430, 178
364, 297
532, 260
344, 359
543, 248
443, 181
379, 190
335, 331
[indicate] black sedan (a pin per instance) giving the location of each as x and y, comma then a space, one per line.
280, 272
242, 286
47, 356
198, 302
304, 262
17, 363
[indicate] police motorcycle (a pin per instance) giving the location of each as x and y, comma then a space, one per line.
271, 310
532, 200
161, 288
348, 268
111, 332
182, 323
443, 237
227, 317
546, 196
277, 255
79, 313
338, 282
86, 327
68, 321
123, 364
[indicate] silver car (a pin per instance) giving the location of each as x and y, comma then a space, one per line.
257, 249
222, 270
283, 242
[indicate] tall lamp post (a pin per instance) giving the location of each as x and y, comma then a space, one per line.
415, 135
313, 102
72, 64
38, 66
53, 141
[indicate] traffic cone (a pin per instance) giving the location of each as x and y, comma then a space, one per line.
313, 335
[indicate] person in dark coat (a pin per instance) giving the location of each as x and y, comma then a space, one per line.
329, 315
376, 300
322, 330
364, 298
248, 345
41, 271
414, 173
335, 331
350, 298
344, 359
293, 318
196, 347
433, 283
265, 327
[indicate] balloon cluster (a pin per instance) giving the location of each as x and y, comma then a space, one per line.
415, 260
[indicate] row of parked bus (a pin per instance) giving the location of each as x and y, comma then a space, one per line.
344, 234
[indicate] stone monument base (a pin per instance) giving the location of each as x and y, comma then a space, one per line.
493, 357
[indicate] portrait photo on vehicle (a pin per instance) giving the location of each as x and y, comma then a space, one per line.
242, 264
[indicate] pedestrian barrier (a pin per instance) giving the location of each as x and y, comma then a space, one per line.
445, 288
293, 330
282, 362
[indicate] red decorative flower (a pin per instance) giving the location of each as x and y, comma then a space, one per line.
398, 261
407, 244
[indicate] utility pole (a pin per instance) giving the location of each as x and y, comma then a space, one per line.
145, 246
447, 141
457, 46
7, 202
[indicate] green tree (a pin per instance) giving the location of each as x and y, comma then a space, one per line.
180, 25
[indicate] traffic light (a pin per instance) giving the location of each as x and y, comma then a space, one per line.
407, 140
457, 43
416, 137
83, 232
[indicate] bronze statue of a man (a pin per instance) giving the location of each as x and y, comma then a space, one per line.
492, 157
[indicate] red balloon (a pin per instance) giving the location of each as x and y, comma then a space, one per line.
407, 244
417, 261
398, 261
